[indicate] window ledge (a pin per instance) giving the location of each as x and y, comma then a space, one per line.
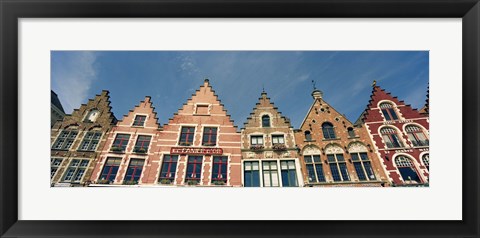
330, 139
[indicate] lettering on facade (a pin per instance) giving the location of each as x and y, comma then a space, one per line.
393, 122
196, 151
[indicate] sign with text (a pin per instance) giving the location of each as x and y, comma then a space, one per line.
195, 151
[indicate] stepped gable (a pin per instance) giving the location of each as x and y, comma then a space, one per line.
205, 94
379, 94
426, 108
145, 107
264, 103
100, 102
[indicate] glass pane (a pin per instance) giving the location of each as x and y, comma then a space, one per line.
316, 158
291, 164
308, 159
255, 166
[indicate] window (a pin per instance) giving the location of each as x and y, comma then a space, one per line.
388, 111
110, 169
351, 133
169, 168
270, 174
134, 171
289, 174
139, 120
416, 136
54, 165
278, 139
391, 138
90, 141
407, 169
362, 166
251, 174
256, 140
265, 121
209, 136
314, 168
65, 140
142, 144
426, 161
76, 170
308, 136
194, 169
120, 143
202, 109
219, 170
186, 136
91, 116
338, 167
328, 131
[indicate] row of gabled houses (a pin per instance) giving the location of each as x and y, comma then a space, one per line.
200, 145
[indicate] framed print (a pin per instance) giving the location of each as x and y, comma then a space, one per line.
145, 100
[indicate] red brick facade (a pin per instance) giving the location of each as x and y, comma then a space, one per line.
400, 137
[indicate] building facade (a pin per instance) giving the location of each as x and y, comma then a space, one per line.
400, 136
130, 147
335, 152
77, 139
269, 155
56, 111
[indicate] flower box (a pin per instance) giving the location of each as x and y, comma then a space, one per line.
140, 150
256, 147
279, 147
103, 181
165, 181
116, 149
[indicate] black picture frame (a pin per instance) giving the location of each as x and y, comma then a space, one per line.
11, 11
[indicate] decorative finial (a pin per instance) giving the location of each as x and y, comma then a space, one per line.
206, 80
374, 83
263, 88
313, 83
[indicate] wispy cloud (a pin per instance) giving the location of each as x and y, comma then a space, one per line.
72, 78
188, 64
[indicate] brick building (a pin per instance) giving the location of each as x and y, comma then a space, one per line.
131, 145
77, 139
199, 146
334, 151
400, 136
269, 155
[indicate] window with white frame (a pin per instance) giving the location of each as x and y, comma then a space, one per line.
90, 141
278, 139
139, 120
338, 167
256, 140
251, 174
54, 165
407, 169
75, 171
289, 173
314, 168
363, 166
270, 174
65, 140
391, 138
416, 135
388, 111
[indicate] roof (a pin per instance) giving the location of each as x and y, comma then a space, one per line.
55, 101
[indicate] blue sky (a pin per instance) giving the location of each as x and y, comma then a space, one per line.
170, 77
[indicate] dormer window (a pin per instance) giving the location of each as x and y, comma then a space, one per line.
265, 121
388, 111
351, 133
91, 115
308, 136
139, 120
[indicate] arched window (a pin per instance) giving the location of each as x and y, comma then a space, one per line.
351, 133
416, 135
388, 111
328, 131
308, 136
91, 115
265, 121
65, 139
426, 161
391, 138
407, 169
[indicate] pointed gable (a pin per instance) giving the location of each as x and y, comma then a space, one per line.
380, 95
204, 102
263, 105
144, 109
101, 104
321, 112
